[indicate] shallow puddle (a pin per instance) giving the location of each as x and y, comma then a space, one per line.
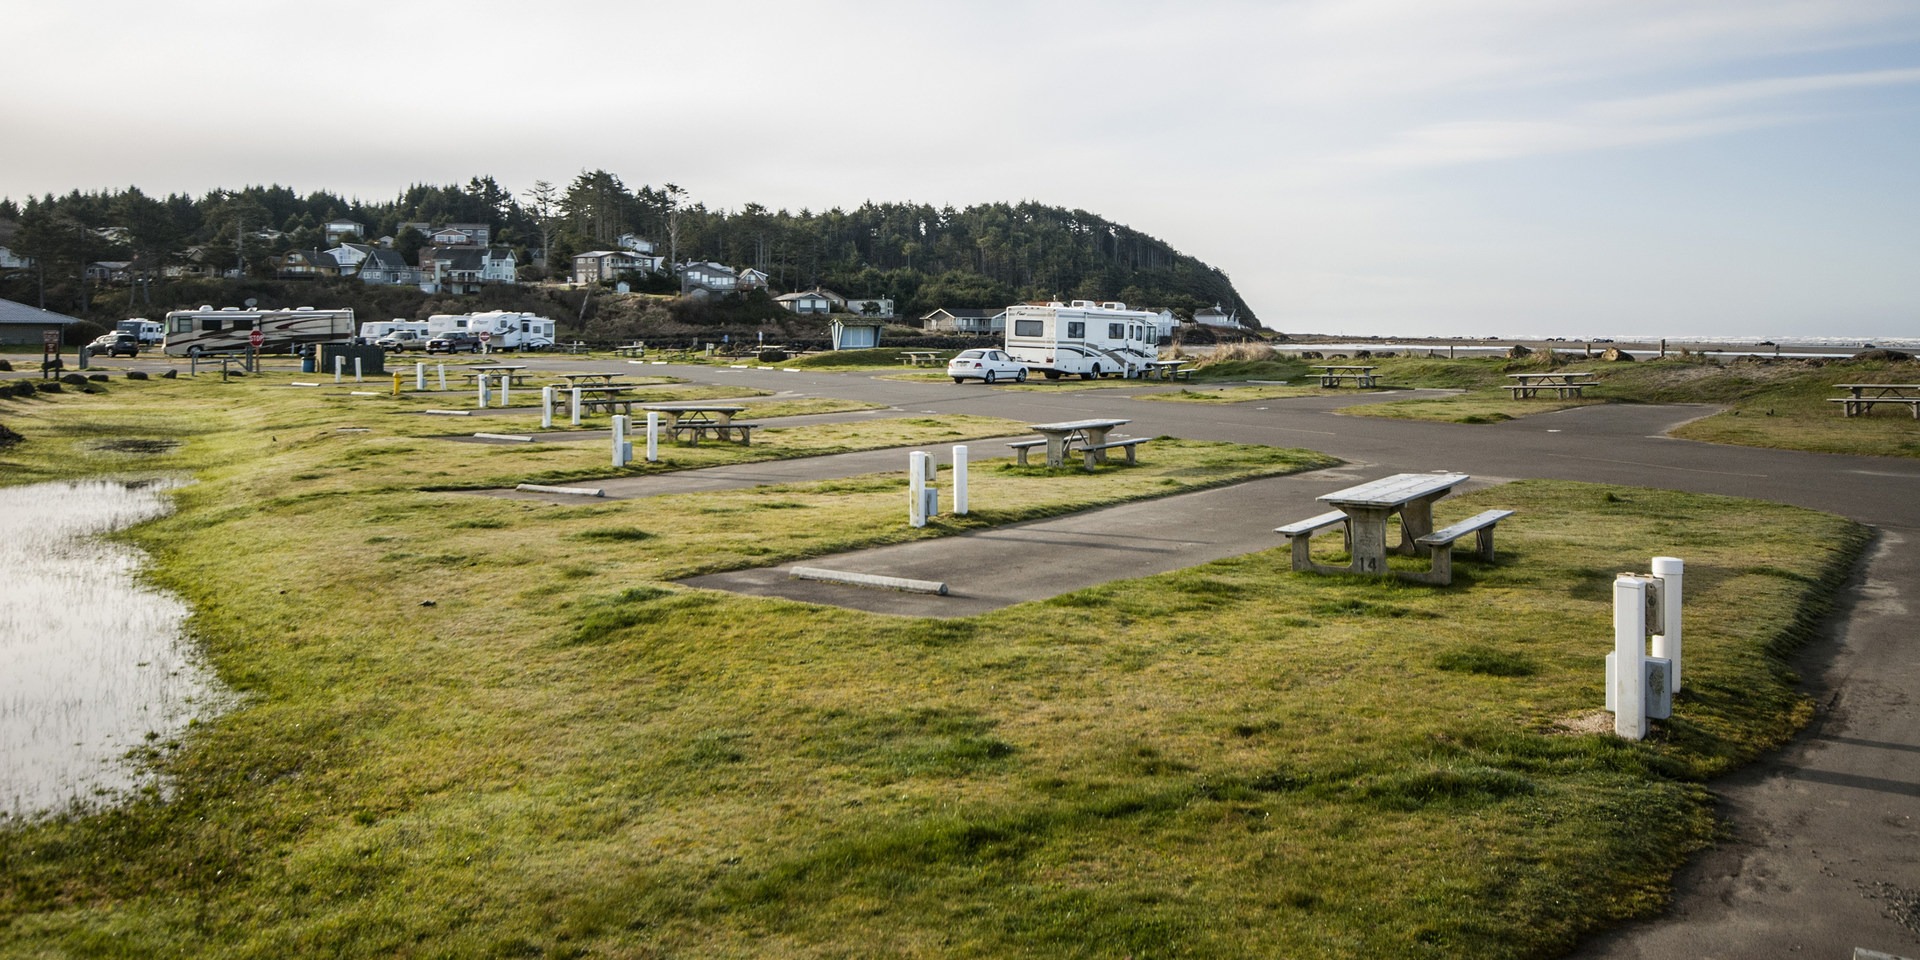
93, 663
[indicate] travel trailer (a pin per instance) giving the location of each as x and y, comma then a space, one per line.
505, 329
144, 330
1082, 338
191, 333
375, 329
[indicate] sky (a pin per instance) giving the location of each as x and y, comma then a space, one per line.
1579, 168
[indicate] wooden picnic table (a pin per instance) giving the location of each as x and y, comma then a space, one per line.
1367, 506
635, 349
1564, 384
589, 379
509, 370
1166, 369
607, 397
695, 419
1062, 436
1861, 397
920, 358
1331, 375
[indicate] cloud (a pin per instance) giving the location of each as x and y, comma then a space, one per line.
1685, 114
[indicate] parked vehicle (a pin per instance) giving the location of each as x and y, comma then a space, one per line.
144, 330
373, 330
1082, 338
536, 343
454, 342
206, 330
114, 345
986, 366
505, 329
403, 340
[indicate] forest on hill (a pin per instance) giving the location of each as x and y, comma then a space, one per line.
920, 256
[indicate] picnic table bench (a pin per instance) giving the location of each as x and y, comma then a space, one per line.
1861, 397
1332, 375
689, 422
1167, 370
1060, 438
509, 370
1363, 512
631, 349
1564, 385
589, 379
920, 358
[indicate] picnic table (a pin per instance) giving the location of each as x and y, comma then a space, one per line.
509, 370
920, 358
695, 419
1563, 384
1369, 505
635, 349
589, 379
1861, 397
1332, 375
608, 397
1167, 369
1062, 437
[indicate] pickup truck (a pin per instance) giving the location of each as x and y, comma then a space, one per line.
402, 340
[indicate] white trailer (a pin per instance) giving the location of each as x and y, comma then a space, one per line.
1082, 338
375, 329
505, 329
144, 330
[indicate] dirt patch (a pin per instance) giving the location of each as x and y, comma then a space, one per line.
131, 445
1593, 721
8, 438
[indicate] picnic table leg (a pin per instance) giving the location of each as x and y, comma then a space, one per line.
1416, 521
1056, 450
1368, 527
1095, 438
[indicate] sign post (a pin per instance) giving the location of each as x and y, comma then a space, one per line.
485, 348
254, 340
50, 353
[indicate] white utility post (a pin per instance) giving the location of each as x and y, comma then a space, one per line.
1666, 643
443, 375
483, 391
506, 389
960, 480
339, 368
546, 407
576, 406
1629, 650
653, 436
918, 464
622, 447
420, 376
357, 368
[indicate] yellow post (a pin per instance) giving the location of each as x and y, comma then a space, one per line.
396, 384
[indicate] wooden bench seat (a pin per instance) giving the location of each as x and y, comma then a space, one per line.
1860, 407
1561, 390
1440, 542
1022, 446
1091, 452
607, 404
1301, 532
692, 432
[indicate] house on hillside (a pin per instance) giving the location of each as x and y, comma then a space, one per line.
870, 307
8, 259
808, 302
464, 269
305, 265
1215, 317
705, 278
107, 271
751, 279
388, 268
983, 322
349, 257
334, 230
634, 242
596, 266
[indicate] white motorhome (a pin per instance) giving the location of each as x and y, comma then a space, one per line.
206, 330
144, 330
1082, 338
505, 329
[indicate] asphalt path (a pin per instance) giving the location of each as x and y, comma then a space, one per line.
1822, 854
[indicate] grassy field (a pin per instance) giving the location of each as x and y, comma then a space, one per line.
568, 754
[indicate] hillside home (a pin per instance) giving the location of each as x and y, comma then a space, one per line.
1215, 317
985, 322
596, 266
387, 267
707, 279
334, 230
870, 307
751, 279
305, 265
808, 302
464, 269
631, 241
8, 259
107, 271
349, 257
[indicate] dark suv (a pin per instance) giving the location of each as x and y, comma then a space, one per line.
115, 345
454, 343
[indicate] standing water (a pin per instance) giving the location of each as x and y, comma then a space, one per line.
93, 664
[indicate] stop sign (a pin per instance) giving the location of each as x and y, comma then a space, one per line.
256, 338
485, 336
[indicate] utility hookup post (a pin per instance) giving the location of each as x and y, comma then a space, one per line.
1640, 687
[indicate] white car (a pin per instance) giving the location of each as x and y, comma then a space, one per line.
986, 365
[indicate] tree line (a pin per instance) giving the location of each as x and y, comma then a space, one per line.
921, 256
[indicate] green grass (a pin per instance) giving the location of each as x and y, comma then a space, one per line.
570, 755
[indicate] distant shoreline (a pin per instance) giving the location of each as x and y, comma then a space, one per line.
1782, 346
